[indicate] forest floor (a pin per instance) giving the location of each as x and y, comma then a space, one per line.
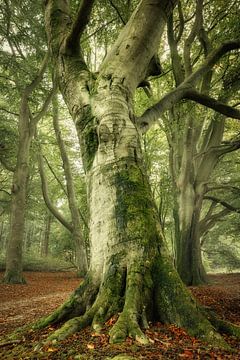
23, 304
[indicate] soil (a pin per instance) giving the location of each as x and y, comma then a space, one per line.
23, 304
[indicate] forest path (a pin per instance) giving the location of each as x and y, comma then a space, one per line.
44, 291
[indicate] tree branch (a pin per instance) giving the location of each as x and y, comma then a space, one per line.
212, 104
175, 57
47, 200
7, 167
55, 175
152, 114
118, 12
209, 222
223, 203
189, 41
79, 25
233, 188
32, 86
45, 106
5, 191
181, 21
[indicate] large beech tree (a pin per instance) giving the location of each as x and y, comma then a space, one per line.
196, 136
130, 270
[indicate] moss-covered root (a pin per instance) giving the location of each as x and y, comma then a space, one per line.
174, 304
75, 306
133, 313
72, 326
223, 326
103, 304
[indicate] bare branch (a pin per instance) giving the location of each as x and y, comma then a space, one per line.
232, 188
98, 30
223, 203
189, 41
181, 21
152, 114
118, 12
5, 191
32, 86
208, 223
45, 193
212, 104
82, 19
9, 112
45, 106
175, 57
55, 175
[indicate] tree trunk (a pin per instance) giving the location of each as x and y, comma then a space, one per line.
45, 239
26, 126
77, 237
187, 244
192, 160
130, 271
13, 274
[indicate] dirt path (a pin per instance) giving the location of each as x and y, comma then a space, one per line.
22, 304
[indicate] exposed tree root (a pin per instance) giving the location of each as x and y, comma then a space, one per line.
76, 305
174, 304
128, 323
222, 326
139, 293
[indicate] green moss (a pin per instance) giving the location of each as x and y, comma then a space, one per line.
174, 304
135, 215
88, 137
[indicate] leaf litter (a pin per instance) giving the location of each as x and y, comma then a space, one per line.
45, 291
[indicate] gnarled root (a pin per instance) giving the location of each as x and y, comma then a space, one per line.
222, 326
76, 305
174, 304
133, 314
138, 291
121, 289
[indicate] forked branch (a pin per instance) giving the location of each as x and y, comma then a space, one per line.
186, 89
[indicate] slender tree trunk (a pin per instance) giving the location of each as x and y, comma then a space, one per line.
13, 274
81, 257
29, 236
2, 235
45, 238
188, 248
191, 167
27, 125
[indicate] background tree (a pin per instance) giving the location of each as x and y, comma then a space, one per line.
196, 136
